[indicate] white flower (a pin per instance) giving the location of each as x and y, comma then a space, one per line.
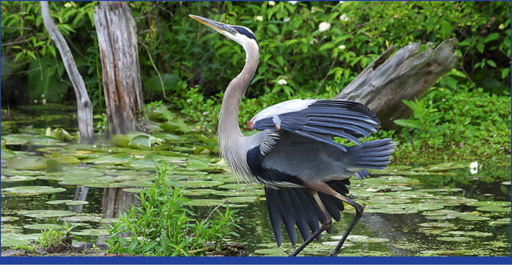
344, 17
341, 2
341, 47
271, 3
286, 19
68, 5
312, 41
293, 2
324, 26
314, 9
473, 167
282, 82
259, 18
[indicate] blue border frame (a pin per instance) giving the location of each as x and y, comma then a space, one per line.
256, 260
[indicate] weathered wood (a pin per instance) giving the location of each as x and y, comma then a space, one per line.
85, 122
406, 75
117, 40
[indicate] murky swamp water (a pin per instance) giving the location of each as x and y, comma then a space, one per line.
435, 210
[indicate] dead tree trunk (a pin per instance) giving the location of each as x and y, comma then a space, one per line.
406, 75
117, 39
85, 123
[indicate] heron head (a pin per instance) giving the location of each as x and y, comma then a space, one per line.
240, 34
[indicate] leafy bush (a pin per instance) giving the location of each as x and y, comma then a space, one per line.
163, 225
457, 124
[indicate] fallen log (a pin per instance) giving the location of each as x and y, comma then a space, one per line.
406, 75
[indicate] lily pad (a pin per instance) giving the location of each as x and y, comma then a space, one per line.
31, 190
82, 218
140, 141
270, 252
43, 226
199, 184
116, 159
142, 164
502, 221
455, 239
8, 219
195, 164
6, 153
91, 232
17, 178
469, 233
45, 213
28, 163
13, 240
68, 202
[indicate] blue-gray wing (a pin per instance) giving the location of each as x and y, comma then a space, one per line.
319, 120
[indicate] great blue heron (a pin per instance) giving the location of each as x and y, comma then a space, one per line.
304, 171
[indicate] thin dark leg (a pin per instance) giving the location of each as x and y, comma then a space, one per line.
326, 223
359, 214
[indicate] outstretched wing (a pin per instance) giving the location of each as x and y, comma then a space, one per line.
319, 120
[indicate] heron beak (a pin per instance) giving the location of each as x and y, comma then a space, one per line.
210, 23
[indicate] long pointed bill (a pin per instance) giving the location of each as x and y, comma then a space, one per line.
219, 27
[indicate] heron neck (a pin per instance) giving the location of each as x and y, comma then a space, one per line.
228, 120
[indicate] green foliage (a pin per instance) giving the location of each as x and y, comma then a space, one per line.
163, 224
51, 238
456, 124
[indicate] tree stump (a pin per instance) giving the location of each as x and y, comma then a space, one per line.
117, 39
85, 122
406, 75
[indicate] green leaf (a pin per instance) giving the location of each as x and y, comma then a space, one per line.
491, 63
170, 82
492, 36
408, 123
480, 47
505, 72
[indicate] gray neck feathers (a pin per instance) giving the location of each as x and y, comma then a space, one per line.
231, 140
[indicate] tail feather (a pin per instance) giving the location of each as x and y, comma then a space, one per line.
374, 155
297, 207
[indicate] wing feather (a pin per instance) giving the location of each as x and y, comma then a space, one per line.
320, 120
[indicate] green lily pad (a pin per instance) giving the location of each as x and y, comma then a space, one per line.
437, 224
66, 159
469, 233
116, 159
493, 208
248, 199
14, 239
270, 252
455, 239
199, 184
44, 140
197, 192
28, 163
6, 153
45, 213
499, 222
142, 164
82, 218
140, 141
43, 226
8, 219
195, 164
89, 182
206, 202
17, 179
68, 202
31, 190
91, 232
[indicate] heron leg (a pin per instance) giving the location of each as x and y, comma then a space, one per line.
326, 223
324, 188
359, 213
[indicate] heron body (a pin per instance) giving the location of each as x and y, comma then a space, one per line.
304, 171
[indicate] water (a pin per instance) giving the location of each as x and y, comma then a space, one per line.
437, 210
